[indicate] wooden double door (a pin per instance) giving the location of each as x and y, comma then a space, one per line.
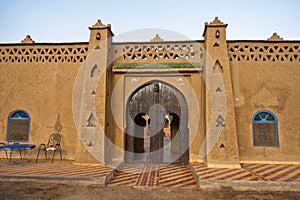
156, 125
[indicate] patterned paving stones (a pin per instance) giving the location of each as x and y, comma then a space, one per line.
127, 175
224, 173
154, 175
176, 176
147, 175
278, 173
251, 172
58, 168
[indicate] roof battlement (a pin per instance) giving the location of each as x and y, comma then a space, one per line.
100, 25
275, 37
157, 38
27, 40
156, 50
216, 21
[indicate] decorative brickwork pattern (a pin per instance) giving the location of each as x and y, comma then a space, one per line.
264, 51
59, 53
159, 52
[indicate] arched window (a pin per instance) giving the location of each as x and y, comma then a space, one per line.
265, 129
18, 127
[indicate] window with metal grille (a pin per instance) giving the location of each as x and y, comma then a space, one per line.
18, 128
265, 129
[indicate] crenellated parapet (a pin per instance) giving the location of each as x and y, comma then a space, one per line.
182, 51
264, 51
43, 53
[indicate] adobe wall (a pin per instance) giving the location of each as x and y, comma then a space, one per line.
39, 79
266, 77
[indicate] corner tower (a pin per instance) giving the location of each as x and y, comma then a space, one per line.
222, 151
94, 91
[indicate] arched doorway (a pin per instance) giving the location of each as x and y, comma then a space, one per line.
156, 125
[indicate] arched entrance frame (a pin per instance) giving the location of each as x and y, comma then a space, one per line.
176, 105
126, 84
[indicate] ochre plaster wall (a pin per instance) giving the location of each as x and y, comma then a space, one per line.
44, 90
267, 85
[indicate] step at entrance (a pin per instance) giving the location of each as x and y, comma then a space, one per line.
153, 175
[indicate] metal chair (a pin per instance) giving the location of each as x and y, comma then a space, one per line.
52, 145
2, 144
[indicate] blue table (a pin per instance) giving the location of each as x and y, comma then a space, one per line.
20, 147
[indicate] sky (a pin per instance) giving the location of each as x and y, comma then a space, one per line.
68, 20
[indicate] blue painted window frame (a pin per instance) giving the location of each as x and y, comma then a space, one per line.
265, 120
18, 115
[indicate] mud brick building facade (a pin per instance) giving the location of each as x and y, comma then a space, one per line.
223, 102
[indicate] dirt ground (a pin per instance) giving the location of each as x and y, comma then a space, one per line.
44, 190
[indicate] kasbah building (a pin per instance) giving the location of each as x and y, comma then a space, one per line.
218, 101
